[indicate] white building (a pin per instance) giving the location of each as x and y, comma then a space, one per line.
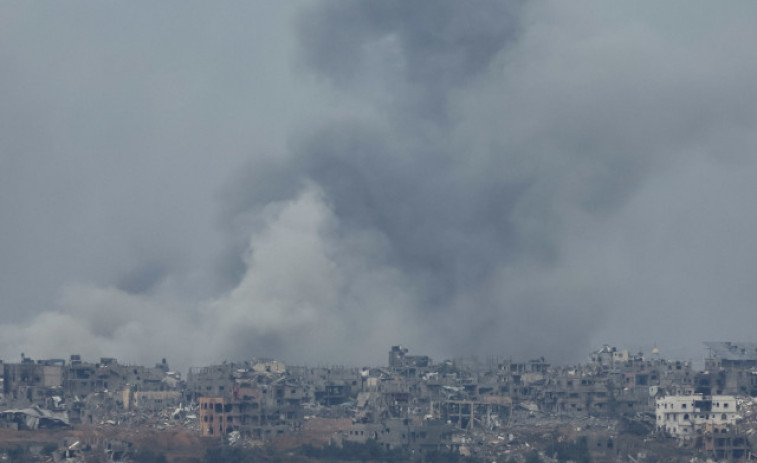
684, 415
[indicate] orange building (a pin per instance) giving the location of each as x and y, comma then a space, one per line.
256, 412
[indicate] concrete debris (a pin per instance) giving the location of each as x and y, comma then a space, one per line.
34, 418
619, 406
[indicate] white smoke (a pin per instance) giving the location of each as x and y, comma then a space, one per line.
296, 301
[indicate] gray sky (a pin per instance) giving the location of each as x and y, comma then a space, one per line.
317, 180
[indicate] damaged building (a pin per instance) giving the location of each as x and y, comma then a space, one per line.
257, 400
686, 416
33, 418
734, 365
485, 409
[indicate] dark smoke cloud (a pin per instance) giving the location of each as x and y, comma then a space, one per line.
447, 223
466, 178
422, 50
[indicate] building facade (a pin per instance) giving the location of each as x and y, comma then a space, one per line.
686, 416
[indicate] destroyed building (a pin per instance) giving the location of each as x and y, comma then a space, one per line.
258, 400
33, 418
687, 416
80, 392
32, 383
400, 433
735, 364
483, 409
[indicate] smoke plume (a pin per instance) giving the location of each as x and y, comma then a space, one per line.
513, 179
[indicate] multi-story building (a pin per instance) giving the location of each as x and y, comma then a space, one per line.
686, 416
31, 382
255, 411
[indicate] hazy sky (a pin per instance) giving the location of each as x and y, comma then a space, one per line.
318, 180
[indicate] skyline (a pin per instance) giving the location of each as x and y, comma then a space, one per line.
491, 359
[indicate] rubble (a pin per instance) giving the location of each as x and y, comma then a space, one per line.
614, 405
33, 418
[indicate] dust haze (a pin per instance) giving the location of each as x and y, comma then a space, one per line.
318, 180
